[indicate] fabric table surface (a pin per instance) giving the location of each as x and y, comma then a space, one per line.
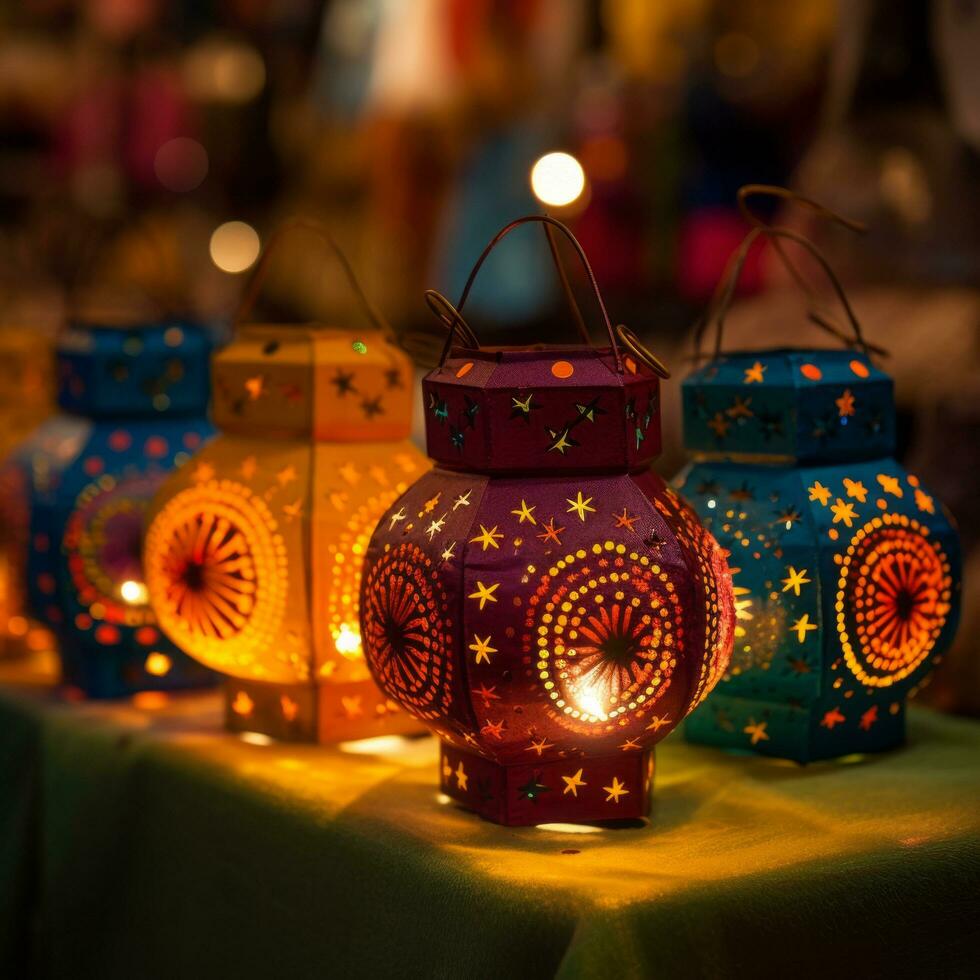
138, 840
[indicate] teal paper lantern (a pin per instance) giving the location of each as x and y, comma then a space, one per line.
846, 569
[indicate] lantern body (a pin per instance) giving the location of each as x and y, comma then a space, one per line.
846, 569
26, 399
254, 551
540, 599
133, 407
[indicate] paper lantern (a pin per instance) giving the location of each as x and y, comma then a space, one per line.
26, 399
540, 599
846, 569
133, 407
254, 552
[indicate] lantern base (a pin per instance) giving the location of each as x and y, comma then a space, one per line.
825, 730
582, 790
326, 713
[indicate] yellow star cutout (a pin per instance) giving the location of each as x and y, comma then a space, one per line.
580, 506
657, 722
524, 513
482, 648
755, 373
561, 444
539, 746
629, 744
436, 526
856, 489
294, 509
461, 777
450, 553
890, 485
255, 387
572, 783
243, 704
795, 580
286, 475
615, 791
756, 731
843, 511
819, 492
349, 472
803, 626
924, 502
485, 593
845, 404
487, 538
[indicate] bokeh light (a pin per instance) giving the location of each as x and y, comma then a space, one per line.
223, 70
557, 179
181, 164
234, 246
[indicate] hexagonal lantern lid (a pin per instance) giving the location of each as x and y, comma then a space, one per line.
542, 409
788, 405
141, 370
334, 384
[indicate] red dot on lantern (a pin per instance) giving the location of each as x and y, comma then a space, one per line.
46, 583
192, 440
120, 440
811, 371
83, 621
146, 636
562, 369
156, 446
93, 466
860, 368
465, 370
107, 635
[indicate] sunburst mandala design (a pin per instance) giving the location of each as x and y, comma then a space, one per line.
217, 571
103, 543
408, 631
893, 599
608, 627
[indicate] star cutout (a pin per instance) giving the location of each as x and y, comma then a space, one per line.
349, 472
540, 746
869, 718
744, 492
457, 437
657, 722
795, 581
856, 489
819, 492
788, 518
630, 744
524, 513
708, 487
653, 540
755, 373
399, 515
450, 553
832, 718
293, 510
845, 404
739, 409
482, 648
580, 506
719, 425
352, 706
572, 783
803, 626
560, 442
440, 409
487, 538
523, 409
470, 411
924, 502
485, 593
242, 704
756, 731
286, 476
255, 387
591, 410
624, 520
249, 467
615, 791
551, 532
372, 406
798, 665
493, 729
393, 378
436, 526
461, 777
890, 485
532, 789
343, 381
487, 693
430, 505
843, 511
463, 500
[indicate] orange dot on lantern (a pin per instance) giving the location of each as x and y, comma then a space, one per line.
860, 368
107, 635
464, 369
562, 369
811, 371
832, 534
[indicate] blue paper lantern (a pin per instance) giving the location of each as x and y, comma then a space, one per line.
133, 407
846, 569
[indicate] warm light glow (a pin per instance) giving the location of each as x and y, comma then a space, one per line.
569, 828
234, 246
181, 164
17, 626
158, 664
590, 703
382, 745
255, 738
557, 179
224, 70
133, 592
348, 642
150, 700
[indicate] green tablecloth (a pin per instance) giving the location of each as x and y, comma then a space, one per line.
141, 842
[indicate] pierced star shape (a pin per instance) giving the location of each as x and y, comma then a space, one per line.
560, 441
796, 580
868, 718
493, 729
372, 406
286, 475
436, 526
803, 626
521, 409
540, 746
487, 693
484, 593
580, 506
482, 648
470, 411
591, 410
756, 373
798, 665
625, 520
450, 553
488, 539
657, 722
630, 744
719, 425
616, 790
788, 517
399, 515
572, 783
924, 502
744, 492
739, 408
756, 731
856, 489
532, 789
551, 532
525, 513
343, 381
843, 512
890, 485
819, 492
393, 378
463, 500
462, 777
832, 718
845, 404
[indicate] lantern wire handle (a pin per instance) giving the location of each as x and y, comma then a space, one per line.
726, 288
258, 277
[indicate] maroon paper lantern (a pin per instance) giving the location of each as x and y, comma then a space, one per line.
541, 599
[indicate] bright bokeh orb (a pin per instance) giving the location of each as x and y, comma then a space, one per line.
557, 179
235, 246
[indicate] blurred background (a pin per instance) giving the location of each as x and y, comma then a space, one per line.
148, 149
